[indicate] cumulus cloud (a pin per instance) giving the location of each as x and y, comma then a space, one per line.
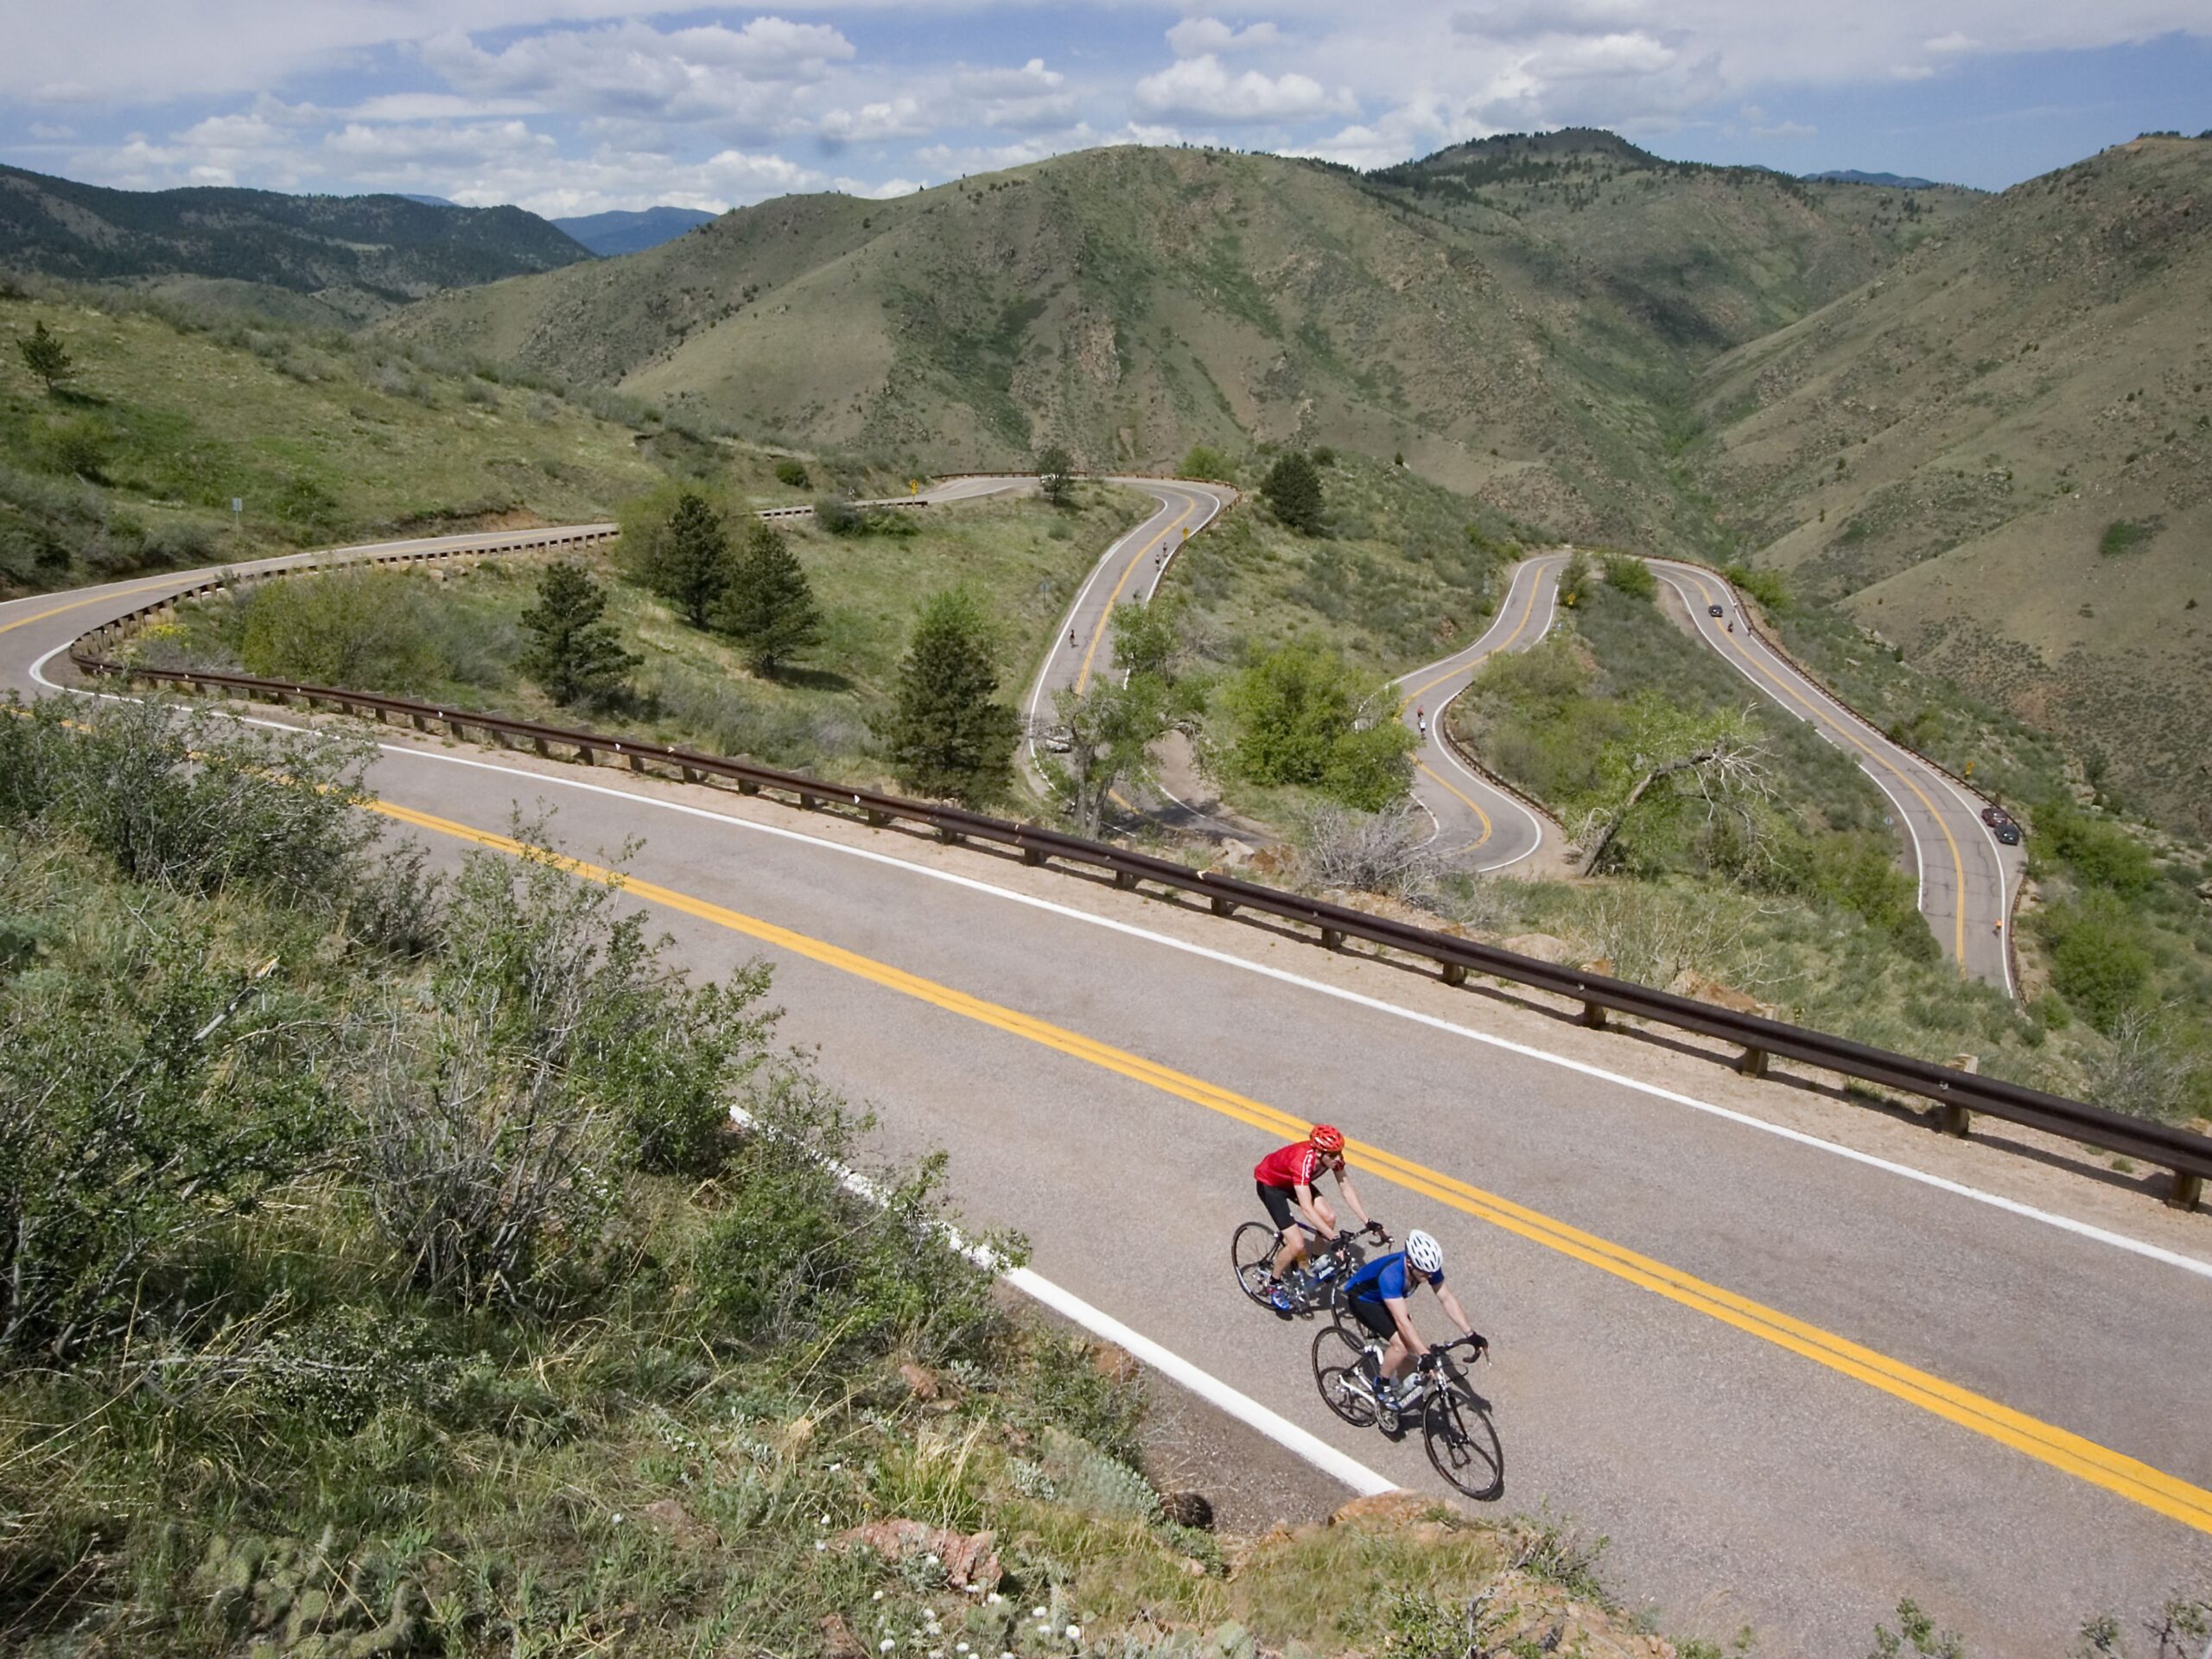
1201, 89
1030, 98
1194, 37
708, 74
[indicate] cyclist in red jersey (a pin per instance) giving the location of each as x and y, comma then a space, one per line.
1287, 1179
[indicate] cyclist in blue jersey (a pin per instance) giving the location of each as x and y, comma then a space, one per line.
1377, 1293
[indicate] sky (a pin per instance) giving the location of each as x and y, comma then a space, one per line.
575, 107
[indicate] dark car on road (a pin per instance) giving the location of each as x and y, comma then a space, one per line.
2007, 832
1712, 610
1993, 816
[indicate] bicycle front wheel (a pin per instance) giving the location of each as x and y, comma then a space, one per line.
1463, 1442
1341, 1377
1252, 1253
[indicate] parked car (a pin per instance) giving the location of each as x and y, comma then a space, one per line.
1993, 816
2007, 832
1712, 610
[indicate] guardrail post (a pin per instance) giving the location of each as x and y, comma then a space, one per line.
1332, 938
949, 836
1593, 1015
587, 754
807, 802
2187, 1191
877, 820
636, 762
1033, 856
1224, 906
1455, 973
747, 786
1754, 1064
420, 724
1951, 1118
1124, 880
690, 774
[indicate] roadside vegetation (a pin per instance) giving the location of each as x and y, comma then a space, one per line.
385, 1276
798, 657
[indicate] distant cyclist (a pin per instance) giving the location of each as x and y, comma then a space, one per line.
1287, 1179
1377, 1293
1420, 723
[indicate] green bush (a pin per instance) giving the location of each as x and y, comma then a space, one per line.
361, 627
1305, 716
1765, 586
792, 473
2097, 850
1629, 574
79, 446
1203, 460
1859, 872
2124, 535
2100, 957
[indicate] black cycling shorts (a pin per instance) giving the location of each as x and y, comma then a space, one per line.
1281, 1205
1375, 1315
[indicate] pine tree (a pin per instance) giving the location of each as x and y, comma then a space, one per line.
689, 564
1055, 473
45, 356
946, 735
575, 652
1293, 489
768, 605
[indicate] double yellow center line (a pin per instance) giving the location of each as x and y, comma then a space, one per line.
2084, 1459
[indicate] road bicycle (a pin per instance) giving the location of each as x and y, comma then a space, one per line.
1454, 1419
1314, 1287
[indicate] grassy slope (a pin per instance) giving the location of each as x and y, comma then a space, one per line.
1944, 452
1024, 557
326, 438
1134, 300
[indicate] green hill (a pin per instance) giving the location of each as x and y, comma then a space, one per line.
1999, 457
1131, 301
387, 249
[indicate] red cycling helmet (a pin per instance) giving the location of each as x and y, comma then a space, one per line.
1327, 1137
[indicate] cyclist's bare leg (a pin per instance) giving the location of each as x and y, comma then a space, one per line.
1293, 1252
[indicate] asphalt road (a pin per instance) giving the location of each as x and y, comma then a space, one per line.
1130, 571
1477, 823
1790, 1385
1965, 878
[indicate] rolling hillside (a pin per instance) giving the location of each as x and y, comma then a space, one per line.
1999, 456
610, 233
1133, 301
387, 249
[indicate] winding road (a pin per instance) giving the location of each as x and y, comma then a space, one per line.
1477, 821
1965, 877
1797, 1358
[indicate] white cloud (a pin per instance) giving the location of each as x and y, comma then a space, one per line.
1200, 89
1954, 41
706, 75
1194, 37
51, 133
1031, 98
1785, 130
897, 118
1911, 72
438, 106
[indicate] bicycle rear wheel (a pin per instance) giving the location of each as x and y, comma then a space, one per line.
1252, 1253
1463, 1442
1338, 1373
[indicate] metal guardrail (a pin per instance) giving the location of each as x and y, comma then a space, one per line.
1956, 1094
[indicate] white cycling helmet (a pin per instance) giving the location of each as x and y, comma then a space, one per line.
1424, 1252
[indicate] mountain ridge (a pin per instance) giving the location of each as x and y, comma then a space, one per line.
390, 248
621, 231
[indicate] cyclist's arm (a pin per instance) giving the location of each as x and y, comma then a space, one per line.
1317, 1212
1459, 1315
1404, 1321
1351, 1197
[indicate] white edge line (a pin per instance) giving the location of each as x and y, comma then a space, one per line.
1941, 1184
1208, 1387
